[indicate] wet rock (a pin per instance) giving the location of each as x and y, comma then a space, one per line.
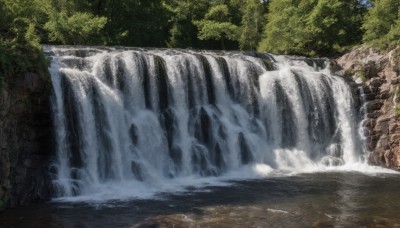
33, 162
374, 105
377, 158
392, 128
133, 133
383, 143
382, 70
385, 95
370, 123
369, 96
245, 152
374, 115
375, 82
366, 89
387, 156
136, 170
25, 137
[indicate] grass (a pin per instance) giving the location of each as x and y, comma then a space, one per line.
397, 110
361, 75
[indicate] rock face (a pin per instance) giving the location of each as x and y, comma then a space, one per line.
380, 75
25, 136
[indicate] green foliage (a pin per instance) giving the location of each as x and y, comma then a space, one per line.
138, 23
361, 75
183, 33
312, 27
20, 51
218, 31
382, 24
252, 24
247, 16
301, 27
75, 28
397, 110
156, 23
216, 25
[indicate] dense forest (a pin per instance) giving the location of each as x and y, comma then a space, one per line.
300, 27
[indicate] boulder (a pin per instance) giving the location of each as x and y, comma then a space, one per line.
375, 82
373, 105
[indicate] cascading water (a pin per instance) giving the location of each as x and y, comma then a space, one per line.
135, 119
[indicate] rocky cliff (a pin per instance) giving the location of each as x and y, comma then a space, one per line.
25, 130
379, 73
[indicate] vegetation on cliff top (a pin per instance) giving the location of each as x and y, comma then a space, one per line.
301, 27
382, 24
20, 50
313, 27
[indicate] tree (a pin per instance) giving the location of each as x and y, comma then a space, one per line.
75, 28
20, 50
382, 23
183, 32
313, 27
252, 24
70, 23
216, 25
138, 23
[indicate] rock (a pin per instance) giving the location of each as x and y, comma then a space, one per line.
366, 89
369, 96
383, 143
373, 139
370, 123
387, 157
383, 131
392, 128
375, 82
382, 126
395, 81
33, 162
395, 138
373, 105
385, 95
25, 136
374, 115
383, 120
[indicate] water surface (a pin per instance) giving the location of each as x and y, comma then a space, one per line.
335, 199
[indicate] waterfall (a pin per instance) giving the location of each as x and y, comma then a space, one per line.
141, 118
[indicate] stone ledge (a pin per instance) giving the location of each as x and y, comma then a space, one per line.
380, 92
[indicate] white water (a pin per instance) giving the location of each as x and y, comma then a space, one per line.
131, 123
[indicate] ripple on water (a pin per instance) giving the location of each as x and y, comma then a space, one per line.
340, 199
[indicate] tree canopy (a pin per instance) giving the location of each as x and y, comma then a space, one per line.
301, 27
183, 32
252, 24
217, 25
313, 27
20, 50
382, 24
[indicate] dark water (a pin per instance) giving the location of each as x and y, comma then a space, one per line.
344, 199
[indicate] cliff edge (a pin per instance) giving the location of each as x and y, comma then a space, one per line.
25, 138
380, 73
